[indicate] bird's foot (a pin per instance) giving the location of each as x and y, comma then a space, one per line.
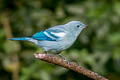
48, 53
62, 57
58, 54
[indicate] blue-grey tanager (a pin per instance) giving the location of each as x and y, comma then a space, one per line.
57, 38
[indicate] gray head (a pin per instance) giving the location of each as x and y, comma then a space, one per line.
75, 27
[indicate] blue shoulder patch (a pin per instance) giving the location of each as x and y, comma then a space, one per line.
42, 36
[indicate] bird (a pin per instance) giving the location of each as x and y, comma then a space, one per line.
55, 39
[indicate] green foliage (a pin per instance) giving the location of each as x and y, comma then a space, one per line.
97, 48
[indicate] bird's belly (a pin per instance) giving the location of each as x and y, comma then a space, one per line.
55, 46
51, 46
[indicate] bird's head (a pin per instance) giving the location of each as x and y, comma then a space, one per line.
75, 27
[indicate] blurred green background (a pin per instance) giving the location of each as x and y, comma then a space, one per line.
97, 48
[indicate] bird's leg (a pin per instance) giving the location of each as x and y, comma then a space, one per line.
61, 56
48, 53
45, 52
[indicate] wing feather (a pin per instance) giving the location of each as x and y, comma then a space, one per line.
49, 35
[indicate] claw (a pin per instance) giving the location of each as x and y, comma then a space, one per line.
62, 57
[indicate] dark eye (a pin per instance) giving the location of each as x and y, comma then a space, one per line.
78, 26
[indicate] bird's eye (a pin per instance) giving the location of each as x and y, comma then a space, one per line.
78, 26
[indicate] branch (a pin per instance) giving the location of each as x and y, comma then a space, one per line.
69, 65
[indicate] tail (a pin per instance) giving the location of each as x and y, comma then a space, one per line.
21, 38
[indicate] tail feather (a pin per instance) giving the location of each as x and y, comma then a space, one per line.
20, 38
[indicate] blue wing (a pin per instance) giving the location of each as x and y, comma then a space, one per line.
47, 35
